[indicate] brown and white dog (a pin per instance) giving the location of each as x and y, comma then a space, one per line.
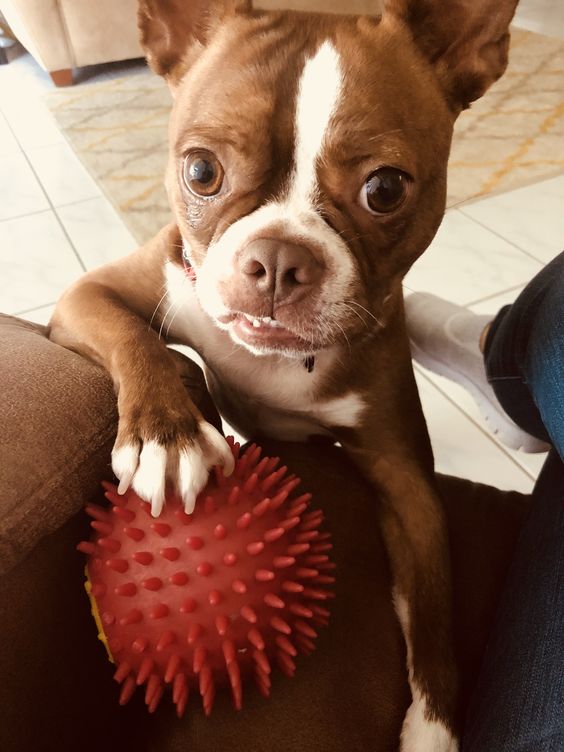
307, 172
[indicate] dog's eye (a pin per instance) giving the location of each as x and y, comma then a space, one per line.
203, 173
385, 190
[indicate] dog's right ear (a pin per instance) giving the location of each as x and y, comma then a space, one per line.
169, 29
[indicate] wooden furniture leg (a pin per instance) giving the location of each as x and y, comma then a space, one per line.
62, 77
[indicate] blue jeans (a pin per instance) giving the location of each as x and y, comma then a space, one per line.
518, 704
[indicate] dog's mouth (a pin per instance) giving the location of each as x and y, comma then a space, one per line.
263, 332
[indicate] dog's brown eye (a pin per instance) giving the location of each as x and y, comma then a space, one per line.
203, 173
385, 190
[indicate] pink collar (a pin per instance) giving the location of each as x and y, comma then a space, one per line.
189, 270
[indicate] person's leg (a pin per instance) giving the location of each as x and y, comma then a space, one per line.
518, 704
519, 701
524, 356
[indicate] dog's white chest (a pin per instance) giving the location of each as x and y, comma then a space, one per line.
268, 394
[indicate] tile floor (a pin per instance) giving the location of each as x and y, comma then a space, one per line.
55, 223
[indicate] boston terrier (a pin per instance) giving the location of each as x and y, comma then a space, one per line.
307, 171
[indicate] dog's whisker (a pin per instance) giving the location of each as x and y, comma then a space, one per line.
385, 133
356, 313
462, 201
376, 319
168, 310
230, 354
350, 238
345, 336
178, 307
157, 308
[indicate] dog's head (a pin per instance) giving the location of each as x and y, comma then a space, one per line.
308, 153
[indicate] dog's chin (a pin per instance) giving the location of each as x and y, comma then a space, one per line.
266, 339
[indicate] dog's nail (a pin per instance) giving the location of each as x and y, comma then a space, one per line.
124, 462
226, 461
223, 455
189, 504
157, 504
228, 464
124, 483
192, 474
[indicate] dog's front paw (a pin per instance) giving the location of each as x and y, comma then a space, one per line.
420, 734
153, 447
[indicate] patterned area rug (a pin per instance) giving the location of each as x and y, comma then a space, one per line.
513, 136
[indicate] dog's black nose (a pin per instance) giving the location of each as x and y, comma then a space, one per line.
278, 269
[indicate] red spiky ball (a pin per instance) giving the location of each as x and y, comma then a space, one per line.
195, 601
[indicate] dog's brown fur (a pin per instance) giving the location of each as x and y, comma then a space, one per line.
408, 76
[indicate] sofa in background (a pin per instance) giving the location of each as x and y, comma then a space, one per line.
66, 34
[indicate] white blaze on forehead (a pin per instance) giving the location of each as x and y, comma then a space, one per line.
318, 94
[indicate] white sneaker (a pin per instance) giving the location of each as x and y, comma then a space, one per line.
445, 338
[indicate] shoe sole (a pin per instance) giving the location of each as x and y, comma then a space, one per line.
497, 421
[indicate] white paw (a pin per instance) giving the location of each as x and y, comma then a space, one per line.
147, 465
419, 734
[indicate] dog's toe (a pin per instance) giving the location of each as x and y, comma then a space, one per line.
216, 449
125, 460
192, 475
149, 480
208, 449
145, 464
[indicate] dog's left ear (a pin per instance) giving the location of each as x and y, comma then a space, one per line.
170, 29
467, 41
